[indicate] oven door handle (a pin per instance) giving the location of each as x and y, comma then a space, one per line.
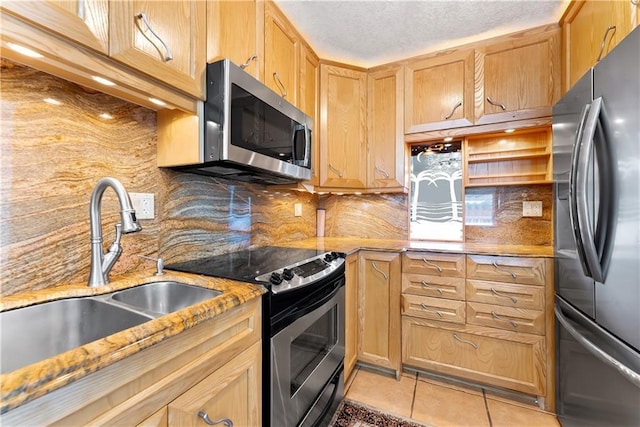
335, 381
298, 312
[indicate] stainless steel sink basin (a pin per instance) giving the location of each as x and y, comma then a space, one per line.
163, 297
35, 333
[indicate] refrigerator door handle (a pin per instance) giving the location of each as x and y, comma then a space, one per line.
627, 372
576, 224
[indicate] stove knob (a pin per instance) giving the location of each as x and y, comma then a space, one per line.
287, 274
335, 255
275, 278
328, 258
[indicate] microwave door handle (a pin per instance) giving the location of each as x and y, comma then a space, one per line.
307, 146
573, 196
605, 357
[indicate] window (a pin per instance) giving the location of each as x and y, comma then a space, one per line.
435, 208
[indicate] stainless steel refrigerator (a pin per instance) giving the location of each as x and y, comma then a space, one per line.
596, 165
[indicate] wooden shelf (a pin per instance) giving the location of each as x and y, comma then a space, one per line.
517, 158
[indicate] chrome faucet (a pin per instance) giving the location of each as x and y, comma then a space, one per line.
101, 264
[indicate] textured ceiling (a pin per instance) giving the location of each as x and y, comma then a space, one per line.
374, 32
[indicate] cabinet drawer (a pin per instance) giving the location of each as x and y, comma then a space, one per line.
530, 271
500, 358
433, 286
509, 318
435, 264
441, 309
496, 293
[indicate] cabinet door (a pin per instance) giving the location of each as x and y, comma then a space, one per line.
343, 131
587, 36
235, 30
385, 136
379, 310
232, 392
521, 78
281, 48
159, 418
440, 92
170, 45
308, 95
85, 22
351, 315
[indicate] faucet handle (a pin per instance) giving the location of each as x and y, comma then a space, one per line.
159, 264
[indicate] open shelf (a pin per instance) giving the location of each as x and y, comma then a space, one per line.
517, 158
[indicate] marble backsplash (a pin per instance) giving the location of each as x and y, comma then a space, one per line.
53, 155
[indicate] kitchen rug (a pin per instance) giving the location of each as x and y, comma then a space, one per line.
352, 414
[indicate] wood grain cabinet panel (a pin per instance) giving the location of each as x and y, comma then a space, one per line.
521, 78
433, 286
83, 21
434, 264
233, 392
170, 46
508, 318
309, 92
508, 295
385, 136
158, 419
518, 270
343, 139
282, 54
505, 359
351, 314
441, 309
379, 310
439, 92
226, 40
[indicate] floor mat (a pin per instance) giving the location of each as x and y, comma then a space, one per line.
354, 414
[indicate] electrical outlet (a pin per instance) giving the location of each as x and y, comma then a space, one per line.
297, 209
532, 208
143, 203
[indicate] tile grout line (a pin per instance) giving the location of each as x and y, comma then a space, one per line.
486, 407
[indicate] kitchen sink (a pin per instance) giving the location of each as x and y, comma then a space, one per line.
35, 333
163, 297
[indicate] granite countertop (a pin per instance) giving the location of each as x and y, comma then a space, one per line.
38, 379
352, 244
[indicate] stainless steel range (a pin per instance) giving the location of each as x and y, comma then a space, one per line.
303, 327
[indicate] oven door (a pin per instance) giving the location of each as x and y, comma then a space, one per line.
304, 358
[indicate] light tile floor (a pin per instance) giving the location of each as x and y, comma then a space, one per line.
441, 404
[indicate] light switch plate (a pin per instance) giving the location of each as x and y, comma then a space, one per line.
532, 209
297, 209
143, 204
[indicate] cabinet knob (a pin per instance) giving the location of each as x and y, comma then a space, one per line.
252, 58
496, 103
226, 421
458, 105
375, 267
283, 90
335, 170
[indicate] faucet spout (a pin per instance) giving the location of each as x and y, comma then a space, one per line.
101, 264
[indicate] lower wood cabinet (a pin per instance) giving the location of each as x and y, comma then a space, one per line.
351, 314
230, 393
379, 287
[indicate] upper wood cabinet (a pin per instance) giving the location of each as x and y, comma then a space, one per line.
385, 136
343, 144
235, 30
439, 92
309, 90
165, 40
590, 29
521, 77
282, 47
84, 21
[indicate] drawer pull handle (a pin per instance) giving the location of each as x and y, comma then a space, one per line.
143, 16
252, 58
474, 345
426, 307
604, 40
458, 105
335, 170
426, 285
496, 103
381, 171
497, 267
426, 261
513, 299
226, 421
496, 316
283, 90
375, 267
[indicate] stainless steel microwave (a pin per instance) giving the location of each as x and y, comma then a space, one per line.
251, 133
